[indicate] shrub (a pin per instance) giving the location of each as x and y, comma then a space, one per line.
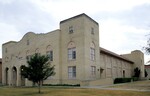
135, 78
137, 72
122, 80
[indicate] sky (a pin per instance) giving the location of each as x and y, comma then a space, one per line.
124, 24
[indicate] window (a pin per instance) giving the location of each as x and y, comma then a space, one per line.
92, 30
93, 71
49, 52
5, 50
28, 42
71, 53
50, 55
92, 53
71, 72
6, 59
123, 73
70, 29
28, 57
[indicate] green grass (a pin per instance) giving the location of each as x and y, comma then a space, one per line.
67, 91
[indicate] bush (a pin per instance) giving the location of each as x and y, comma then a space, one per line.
122, 80
135, 78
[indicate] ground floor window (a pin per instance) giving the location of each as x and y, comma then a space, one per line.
71, 72
93, 71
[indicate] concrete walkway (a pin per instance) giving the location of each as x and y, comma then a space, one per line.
124, 86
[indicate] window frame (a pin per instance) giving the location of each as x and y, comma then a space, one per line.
71, 29
50, 55
92, 54
72, 53
71, 72
93, 71
92, 30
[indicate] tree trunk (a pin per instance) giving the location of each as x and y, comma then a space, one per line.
39, 85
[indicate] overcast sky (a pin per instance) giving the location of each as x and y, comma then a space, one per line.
124, 24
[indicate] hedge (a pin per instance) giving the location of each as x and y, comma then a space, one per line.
122, 80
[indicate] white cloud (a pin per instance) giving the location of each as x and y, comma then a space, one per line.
122, 26
66, 7
121, 38
10, 34
6, 1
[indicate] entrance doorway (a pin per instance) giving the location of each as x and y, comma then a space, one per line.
6, 76
14, 76
22, 78
123, 73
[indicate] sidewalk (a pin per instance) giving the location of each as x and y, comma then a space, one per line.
133, 86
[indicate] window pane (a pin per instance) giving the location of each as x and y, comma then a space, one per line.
74, 55
70, 69
71, 72
70, 29
93, 70
71, 53
92, 53
50, 55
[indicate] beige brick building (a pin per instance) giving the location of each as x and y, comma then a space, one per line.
75, 52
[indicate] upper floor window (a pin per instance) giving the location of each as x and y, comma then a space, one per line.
92, 52
6, 59
37, 51
72, 72
50, 55
28, 42
70, 29
92, 30
5, 50
49, 52
28, 57
71, 51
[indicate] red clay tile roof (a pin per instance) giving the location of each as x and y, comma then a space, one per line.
147, 66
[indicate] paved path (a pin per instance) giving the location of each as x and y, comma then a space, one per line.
112, 87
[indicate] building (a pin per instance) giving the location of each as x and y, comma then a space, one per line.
75, 52
147, 68
0, 70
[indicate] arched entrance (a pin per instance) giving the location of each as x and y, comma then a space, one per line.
6, 76
22, 78
14, 76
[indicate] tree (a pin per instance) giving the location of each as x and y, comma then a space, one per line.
137, 72
147, 47
38, 69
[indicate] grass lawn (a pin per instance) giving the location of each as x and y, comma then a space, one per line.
66, 91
